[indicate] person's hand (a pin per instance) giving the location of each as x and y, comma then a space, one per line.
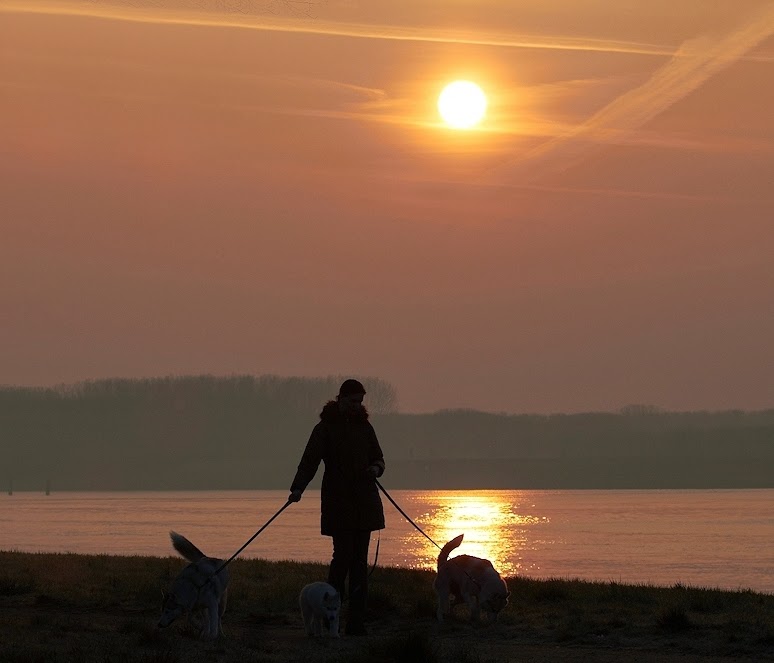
295, 495
373, 471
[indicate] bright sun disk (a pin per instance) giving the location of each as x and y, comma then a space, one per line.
462, 104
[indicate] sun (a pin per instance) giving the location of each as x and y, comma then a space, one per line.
462, 104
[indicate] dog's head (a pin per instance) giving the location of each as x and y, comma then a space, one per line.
494, 601
331, 603
171, 609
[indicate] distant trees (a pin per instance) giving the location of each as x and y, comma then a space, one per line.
640, 410
249, 432
173, 432
270, 393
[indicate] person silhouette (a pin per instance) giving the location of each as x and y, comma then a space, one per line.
350, 505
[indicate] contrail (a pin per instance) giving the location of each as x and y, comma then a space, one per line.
695, 62
155, 15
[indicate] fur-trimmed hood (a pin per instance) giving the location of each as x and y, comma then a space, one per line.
331, 413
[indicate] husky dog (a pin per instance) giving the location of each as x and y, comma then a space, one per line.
197, 592
471, 580
320, 603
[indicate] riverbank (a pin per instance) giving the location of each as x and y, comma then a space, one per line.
63, 607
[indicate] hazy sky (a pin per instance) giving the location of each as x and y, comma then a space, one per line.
235, 186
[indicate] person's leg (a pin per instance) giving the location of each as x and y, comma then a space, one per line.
358, 583
341, 561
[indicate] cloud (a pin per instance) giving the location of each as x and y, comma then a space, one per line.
694, 63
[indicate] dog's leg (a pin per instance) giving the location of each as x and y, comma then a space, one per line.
443, 603
475, 611
213, 620
215, 624
334, 627
195, 621
205, 623
308, 626
222, 603
199, 620
305, 614
222, 611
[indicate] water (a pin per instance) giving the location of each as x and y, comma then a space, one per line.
706, 538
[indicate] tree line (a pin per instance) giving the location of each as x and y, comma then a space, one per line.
248, 432
171, 432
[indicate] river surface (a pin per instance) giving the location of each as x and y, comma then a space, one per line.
705, 538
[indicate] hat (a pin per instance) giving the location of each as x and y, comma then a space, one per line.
351, 386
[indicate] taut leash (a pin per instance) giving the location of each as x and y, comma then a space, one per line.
199, 588
418, 528
403, 513
250, 540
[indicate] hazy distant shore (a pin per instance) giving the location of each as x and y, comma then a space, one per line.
62, 607
248, 433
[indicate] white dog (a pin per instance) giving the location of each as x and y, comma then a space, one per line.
197, 592
320, 603
470, 579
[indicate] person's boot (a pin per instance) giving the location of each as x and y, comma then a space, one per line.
357, 609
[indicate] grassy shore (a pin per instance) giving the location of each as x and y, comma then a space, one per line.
96, 608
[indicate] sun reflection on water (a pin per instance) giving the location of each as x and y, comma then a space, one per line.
495, 528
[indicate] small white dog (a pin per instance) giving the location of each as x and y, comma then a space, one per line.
470, 579
197, 592
320, 603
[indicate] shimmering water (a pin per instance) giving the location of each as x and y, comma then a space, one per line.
709, 538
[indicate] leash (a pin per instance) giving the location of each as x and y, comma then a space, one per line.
199, 588
376, 556
250, 540
403, 513
418, 528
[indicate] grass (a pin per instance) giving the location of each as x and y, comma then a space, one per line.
95, 608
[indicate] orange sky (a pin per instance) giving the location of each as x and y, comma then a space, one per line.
267, 188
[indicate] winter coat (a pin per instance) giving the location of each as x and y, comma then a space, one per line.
347, 444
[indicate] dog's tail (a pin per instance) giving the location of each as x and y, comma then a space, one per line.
185, 547
444, 554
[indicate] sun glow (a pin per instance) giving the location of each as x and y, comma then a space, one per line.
494, 528
462, 104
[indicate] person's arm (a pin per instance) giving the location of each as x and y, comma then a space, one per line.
310, 461
375, 455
